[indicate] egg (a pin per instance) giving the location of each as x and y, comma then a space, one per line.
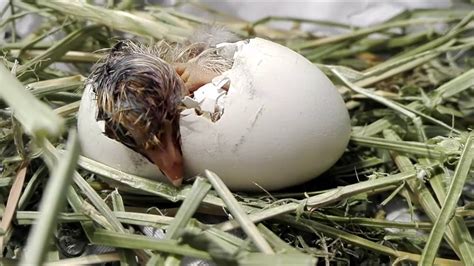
281, 123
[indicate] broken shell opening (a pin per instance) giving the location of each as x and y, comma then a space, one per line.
281, 114
209, 100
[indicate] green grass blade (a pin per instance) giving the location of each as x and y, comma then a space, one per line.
52, 202
86, 260
454, 235
370, 30
452, 87
35, 116
311, 226
188, 207
122, 240
117, 19
413, 147
449, 205
55, 52
97, 202
322, 199
239, 215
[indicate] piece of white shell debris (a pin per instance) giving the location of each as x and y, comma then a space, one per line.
208, 101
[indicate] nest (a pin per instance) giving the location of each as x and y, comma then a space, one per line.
402, 191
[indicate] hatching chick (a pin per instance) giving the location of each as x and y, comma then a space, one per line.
139, 91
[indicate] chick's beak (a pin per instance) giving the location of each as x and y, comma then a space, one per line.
168, 158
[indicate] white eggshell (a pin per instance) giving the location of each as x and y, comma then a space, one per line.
97, 146
284, 122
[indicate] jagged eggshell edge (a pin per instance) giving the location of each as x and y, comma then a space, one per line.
284, 122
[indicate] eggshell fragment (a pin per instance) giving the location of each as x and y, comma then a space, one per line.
283, 122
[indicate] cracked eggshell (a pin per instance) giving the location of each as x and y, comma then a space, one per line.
283, 123
95, 145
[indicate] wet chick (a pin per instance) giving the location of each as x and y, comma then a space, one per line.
139, 91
